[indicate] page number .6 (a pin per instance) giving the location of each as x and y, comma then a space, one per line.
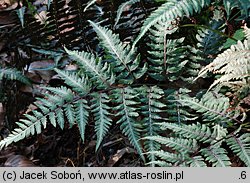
243, 175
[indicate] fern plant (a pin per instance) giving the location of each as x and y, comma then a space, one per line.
121, 84
232, 64
73, 104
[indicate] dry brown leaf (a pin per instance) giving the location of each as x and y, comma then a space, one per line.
43, 69
18, 161
120, 153
6, 5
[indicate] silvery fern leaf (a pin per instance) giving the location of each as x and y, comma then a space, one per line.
80, 84
102, 116
212, 106
13, 74
241, 146
125, 61
82, 114
217, 156
100, 74
171, 10
124, 99
233, 64
151, 109
50, 108
197, 161
183, 146
200, 132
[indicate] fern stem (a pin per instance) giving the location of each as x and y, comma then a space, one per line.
165, 52
209, 28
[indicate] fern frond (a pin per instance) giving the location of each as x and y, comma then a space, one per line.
200, 132
241, 147
126, 63
69, 113
212, 106
100, 109
171, 10
60, 117
13, 74
50, 107
176, 112
192, 67
98, 73
197, 161
169, 157
210, 42
151, 108
78, 83
166, 55
217, 156
82, 114
126, 110
178, 144
233, 64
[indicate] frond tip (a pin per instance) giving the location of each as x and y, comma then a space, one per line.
171, 10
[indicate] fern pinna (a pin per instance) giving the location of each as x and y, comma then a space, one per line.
167, 126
